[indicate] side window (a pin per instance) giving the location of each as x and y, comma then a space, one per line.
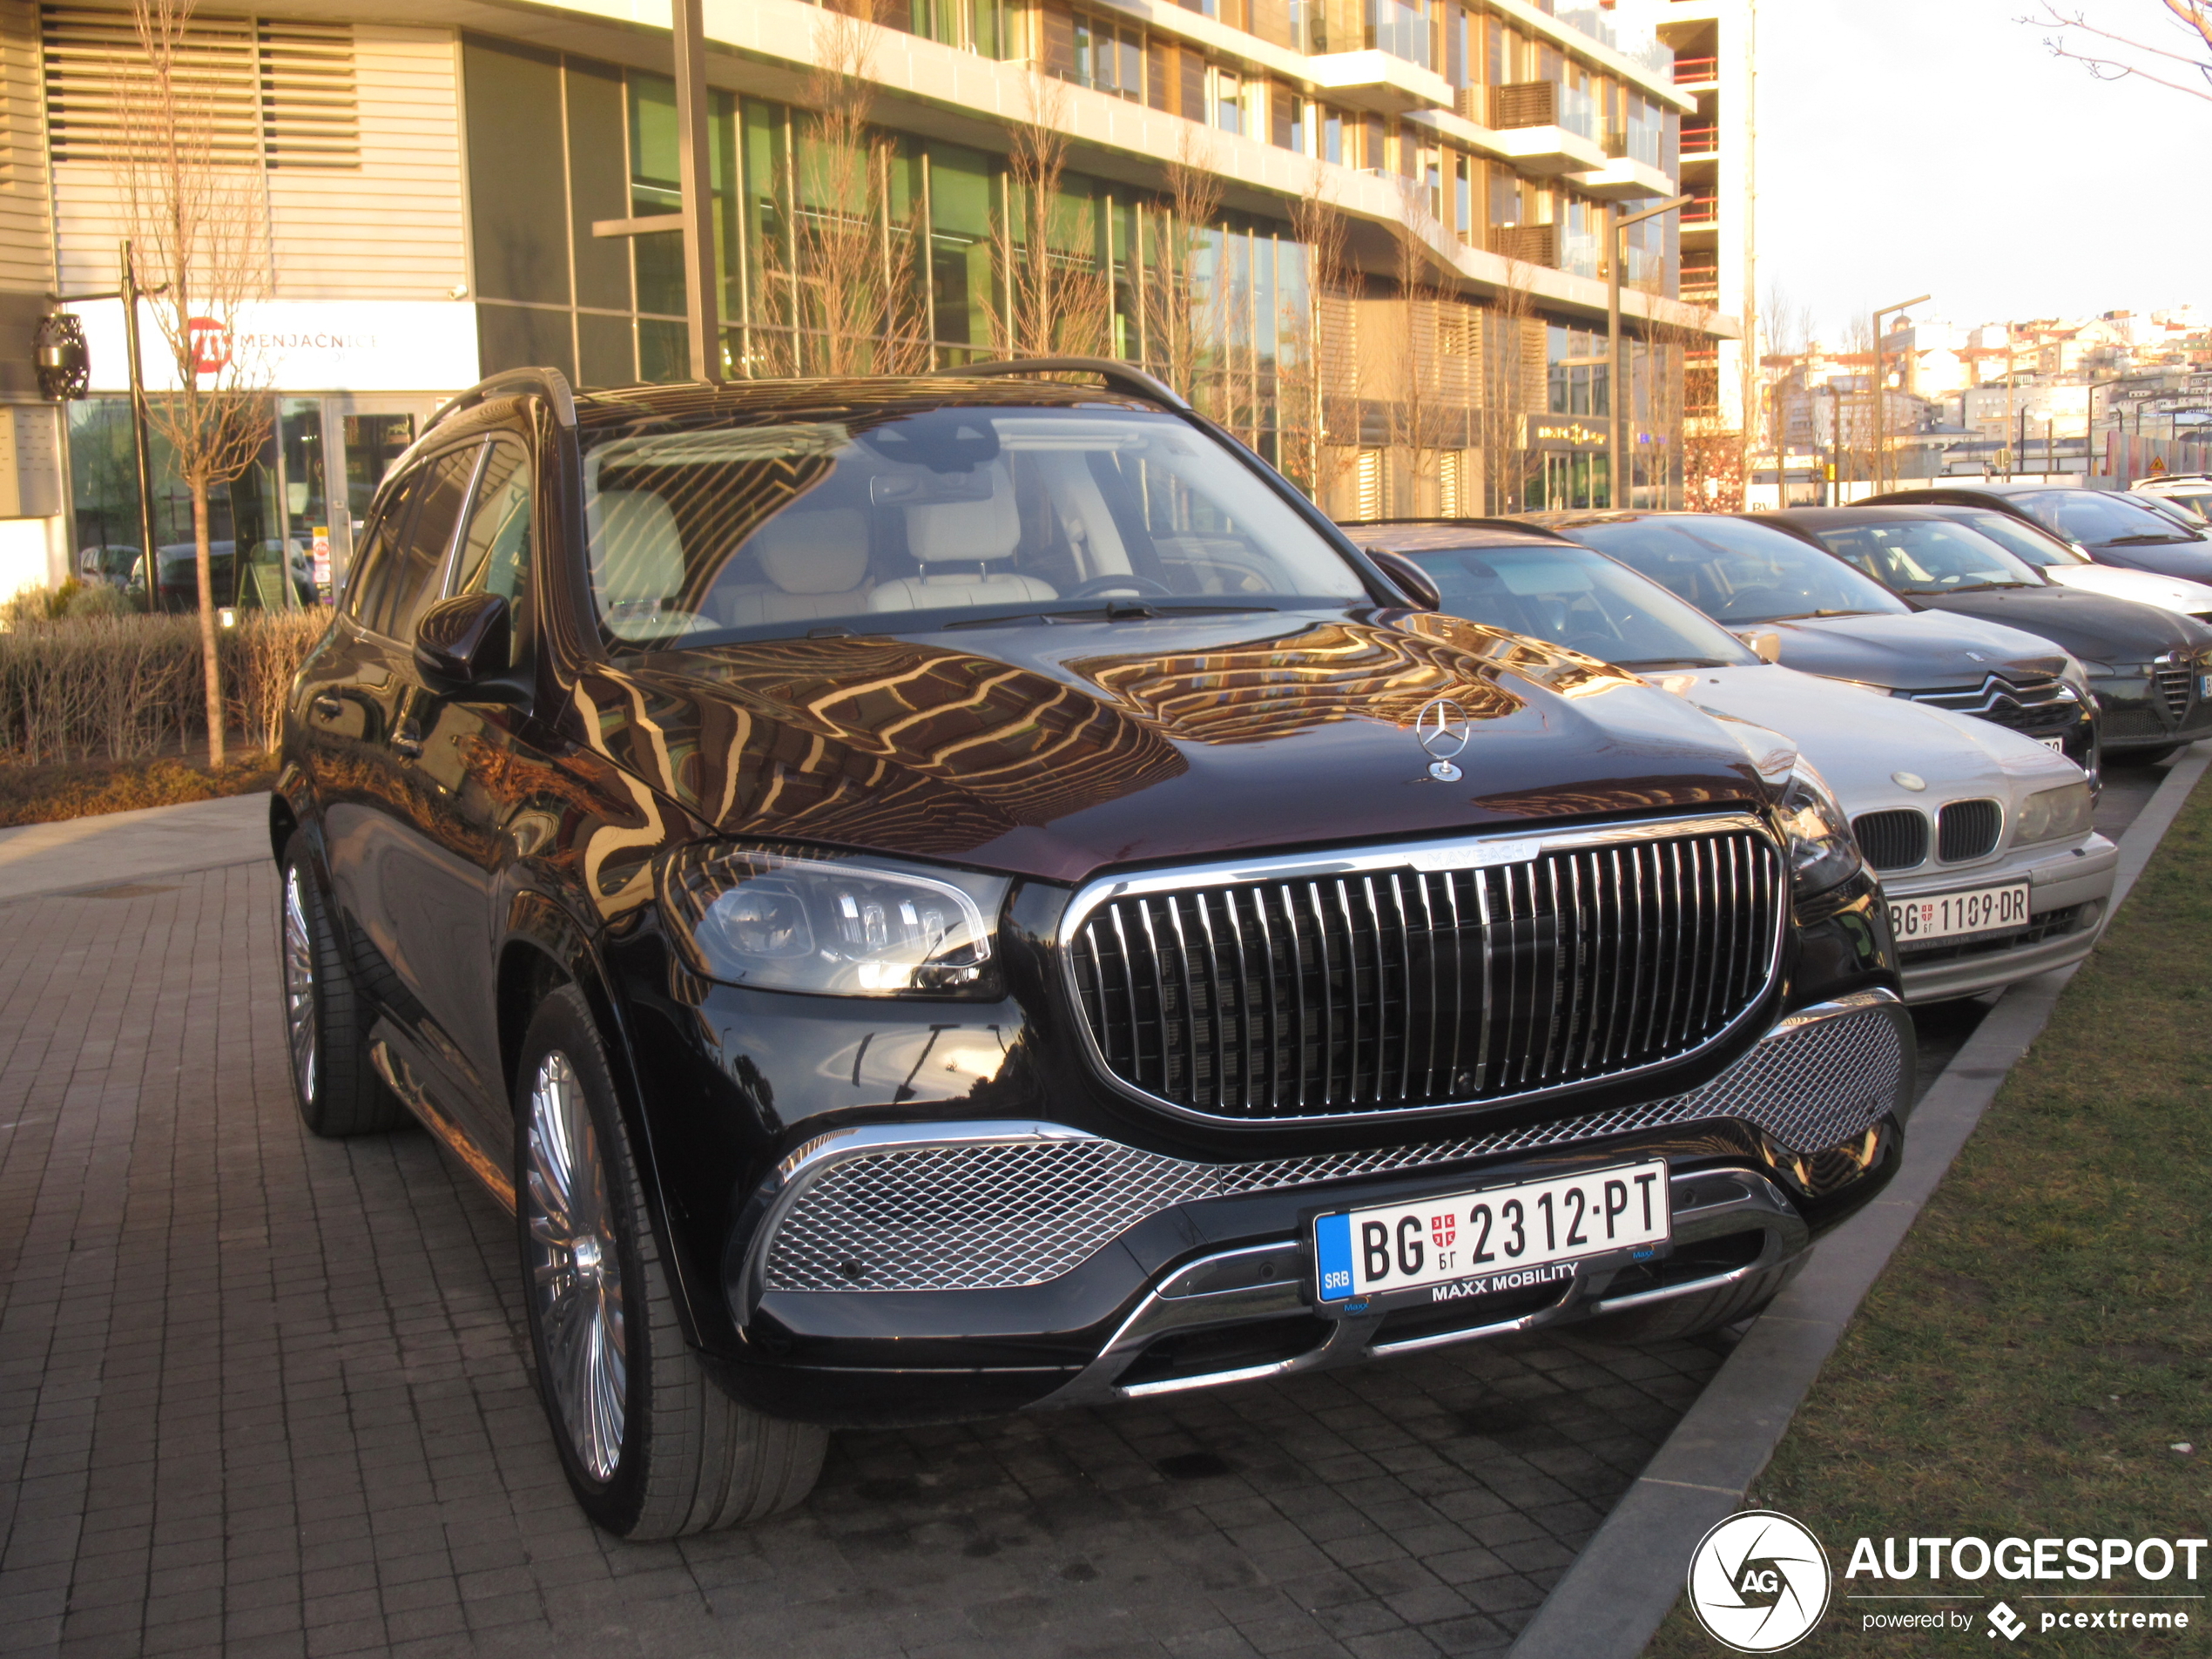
495, 548
368, 582
417, 560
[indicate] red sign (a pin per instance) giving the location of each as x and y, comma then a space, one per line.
211, 346
1442, 1229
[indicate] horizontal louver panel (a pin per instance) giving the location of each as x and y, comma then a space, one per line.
279, 93
1402, 988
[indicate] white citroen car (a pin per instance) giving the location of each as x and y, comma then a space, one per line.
1981, 836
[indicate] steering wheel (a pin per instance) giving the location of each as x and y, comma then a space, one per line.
1141, 586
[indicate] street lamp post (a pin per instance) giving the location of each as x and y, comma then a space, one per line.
1881, 373
1616, 389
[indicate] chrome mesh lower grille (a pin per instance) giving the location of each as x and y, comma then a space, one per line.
991, 1215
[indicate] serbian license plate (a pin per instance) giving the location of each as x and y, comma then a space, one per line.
1499, 1239
2058, 745
1944, 915
2204, 688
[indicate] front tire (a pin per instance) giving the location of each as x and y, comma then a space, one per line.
326, 1016
651, 1447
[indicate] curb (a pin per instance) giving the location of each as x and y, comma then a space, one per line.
1625, 1580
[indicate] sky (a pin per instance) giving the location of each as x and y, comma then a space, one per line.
1936, 146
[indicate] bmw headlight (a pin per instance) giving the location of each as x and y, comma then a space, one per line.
783, 918
2054, 814
1823, 850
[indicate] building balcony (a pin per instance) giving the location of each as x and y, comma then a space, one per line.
1623, 179
1697, 71
1377, 82
1701, 142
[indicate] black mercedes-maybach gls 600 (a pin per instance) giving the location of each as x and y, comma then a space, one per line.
943, 896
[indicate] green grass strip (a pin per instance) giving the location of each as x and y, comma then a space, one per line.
2043, 1337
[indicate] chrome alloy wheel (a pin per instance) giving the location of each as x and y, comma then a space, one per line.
575, 1268
299, 984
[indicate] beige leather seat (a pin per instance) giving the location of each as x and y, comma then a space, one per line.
963, 537
637, 559
816, 564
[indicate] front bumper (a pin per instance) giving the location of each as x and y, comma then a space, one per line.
929, 1271
2151, 705
2070, 897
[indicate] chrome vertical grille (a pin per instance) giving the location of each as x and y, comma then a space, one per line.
2174, 686
1393, 989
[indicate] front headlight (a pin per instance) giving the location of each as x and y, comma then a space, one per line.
782, 918
1823, 850
2075, 676
2054, 814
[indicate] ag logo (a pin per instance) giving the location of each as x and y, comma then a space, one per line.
1758, 1583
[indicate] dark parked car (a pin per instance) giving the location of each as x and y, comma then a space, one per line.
254, 584
2113, 527
933, 897
2150, 669
1831, 620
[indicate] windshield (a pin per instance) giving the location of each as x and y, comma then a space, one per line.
2197, 500
1919, 556
2097, 516
926, 520
2029, 543
1579, 599
2180, 509
1736, 572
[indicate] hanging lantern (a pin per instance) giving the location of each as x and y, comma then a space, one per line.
64, 361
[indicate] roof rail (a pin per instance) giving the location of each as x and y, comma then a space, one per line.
1114, 372
549, 383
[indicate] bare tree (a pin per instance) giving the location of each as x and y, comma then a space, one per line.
859, 287
197, 219
1414, 411
1181, 309
1508, 384
1313, 376
2183, 64
1050, 303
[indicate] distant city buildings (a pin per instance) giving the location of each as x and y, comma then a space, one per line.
2112, 396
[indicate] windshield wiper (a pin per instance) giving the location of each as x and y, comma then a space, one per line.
1965, 587
1138, 611
1810, 616
2145, 539
1643, 663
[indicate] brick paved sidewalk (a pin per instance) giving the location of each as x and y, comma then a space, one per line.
261, 1393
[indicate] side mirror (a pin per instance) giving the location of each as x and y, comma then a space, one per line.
464, 639
1767, 647
1416, 584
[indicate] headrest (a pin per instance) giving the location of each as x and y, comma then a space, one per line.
636, 553
991, 529
816, 552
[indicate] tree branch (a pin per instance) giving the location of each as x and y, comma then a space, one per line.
2192, 15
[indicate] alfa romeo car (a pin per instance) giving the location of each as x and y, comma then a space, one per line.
2149, 669
2064, 562
1982, 837
2113, 527
1819, 615
939, 897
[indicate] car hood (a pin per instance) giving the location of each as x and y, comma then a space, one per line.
1858, 740
1055, 750
2144, 587
1926, 650
2092, 626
